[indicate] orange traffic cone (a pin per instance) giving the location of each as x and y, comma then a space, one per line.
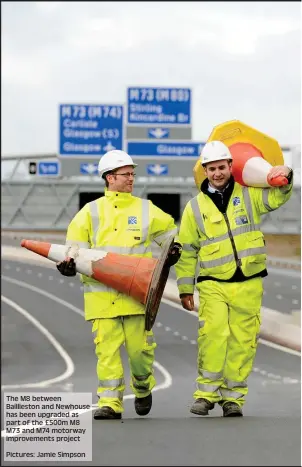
250, 168
141, 278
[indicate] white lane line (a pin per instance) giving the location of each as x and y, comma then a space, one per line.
294, 287
62, 352
261, 341
164, 385
167, 382
295, 302
279, 297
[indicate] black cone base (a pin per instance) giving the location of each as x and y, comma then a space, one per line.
157, 285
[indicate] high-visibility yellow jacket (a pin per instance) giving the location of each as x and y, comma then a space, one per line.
118, 223
214, 244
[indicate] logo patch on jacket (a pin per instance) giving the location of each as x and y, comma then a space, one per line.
132, 220
241, 220
236, 201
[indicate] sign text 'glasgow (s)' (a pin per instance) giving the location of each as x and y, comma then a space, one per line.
90, 130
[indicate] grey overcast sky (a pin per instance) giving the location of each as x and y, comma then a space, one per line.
242, 61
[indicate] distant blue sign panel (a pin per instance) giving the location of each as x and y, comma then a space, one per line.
173, 149
89, 169
159, 106
90, 130
48, 168
157, 169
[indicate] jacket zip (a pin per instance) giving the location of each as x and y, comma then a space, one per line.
238, 261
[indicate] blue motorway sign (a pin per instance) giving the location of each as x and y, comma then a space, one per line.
149, 106
48, 168
89, 169
172, 149
157, 169
90, 130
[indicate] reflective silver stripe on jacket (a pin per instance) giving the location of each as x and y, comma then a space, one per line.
95, 219
145, 219
186, 281
111, 383
139, 249
237, 231
197, 214
229, 258
248, 204
210, 374
234, 394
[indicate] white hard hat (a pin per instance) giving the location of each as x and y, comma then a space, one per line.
215, 151
113, 160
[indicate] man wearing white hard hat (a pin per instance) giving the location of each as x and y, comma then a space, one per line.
221, 237
120, 223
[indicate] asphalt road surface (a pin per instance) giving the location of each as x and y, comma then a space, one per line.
268, 434
282, 287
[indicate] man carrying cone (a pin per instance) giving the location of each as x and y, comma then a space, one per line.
119, 223
220, 233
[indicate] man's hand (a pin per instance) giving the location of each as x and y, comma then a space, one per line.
174, 254
187, 301
278, 170
67, 267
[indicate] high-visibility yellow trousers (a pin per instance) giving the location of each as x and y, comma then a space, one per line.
229, 326
109, 335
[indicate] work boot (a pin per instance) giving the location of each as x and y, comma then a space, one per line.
202, 407
231, 409
106, 413
143, 405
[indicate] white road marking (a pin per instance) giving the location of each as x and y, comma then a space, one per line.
279, 297
167, 328
29, 271
167, 376
69, 363
294, 287
277, 284
295, 302
40, 274
165, 385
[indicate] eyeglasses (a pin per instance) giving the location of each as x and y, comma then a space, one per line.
126, 174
